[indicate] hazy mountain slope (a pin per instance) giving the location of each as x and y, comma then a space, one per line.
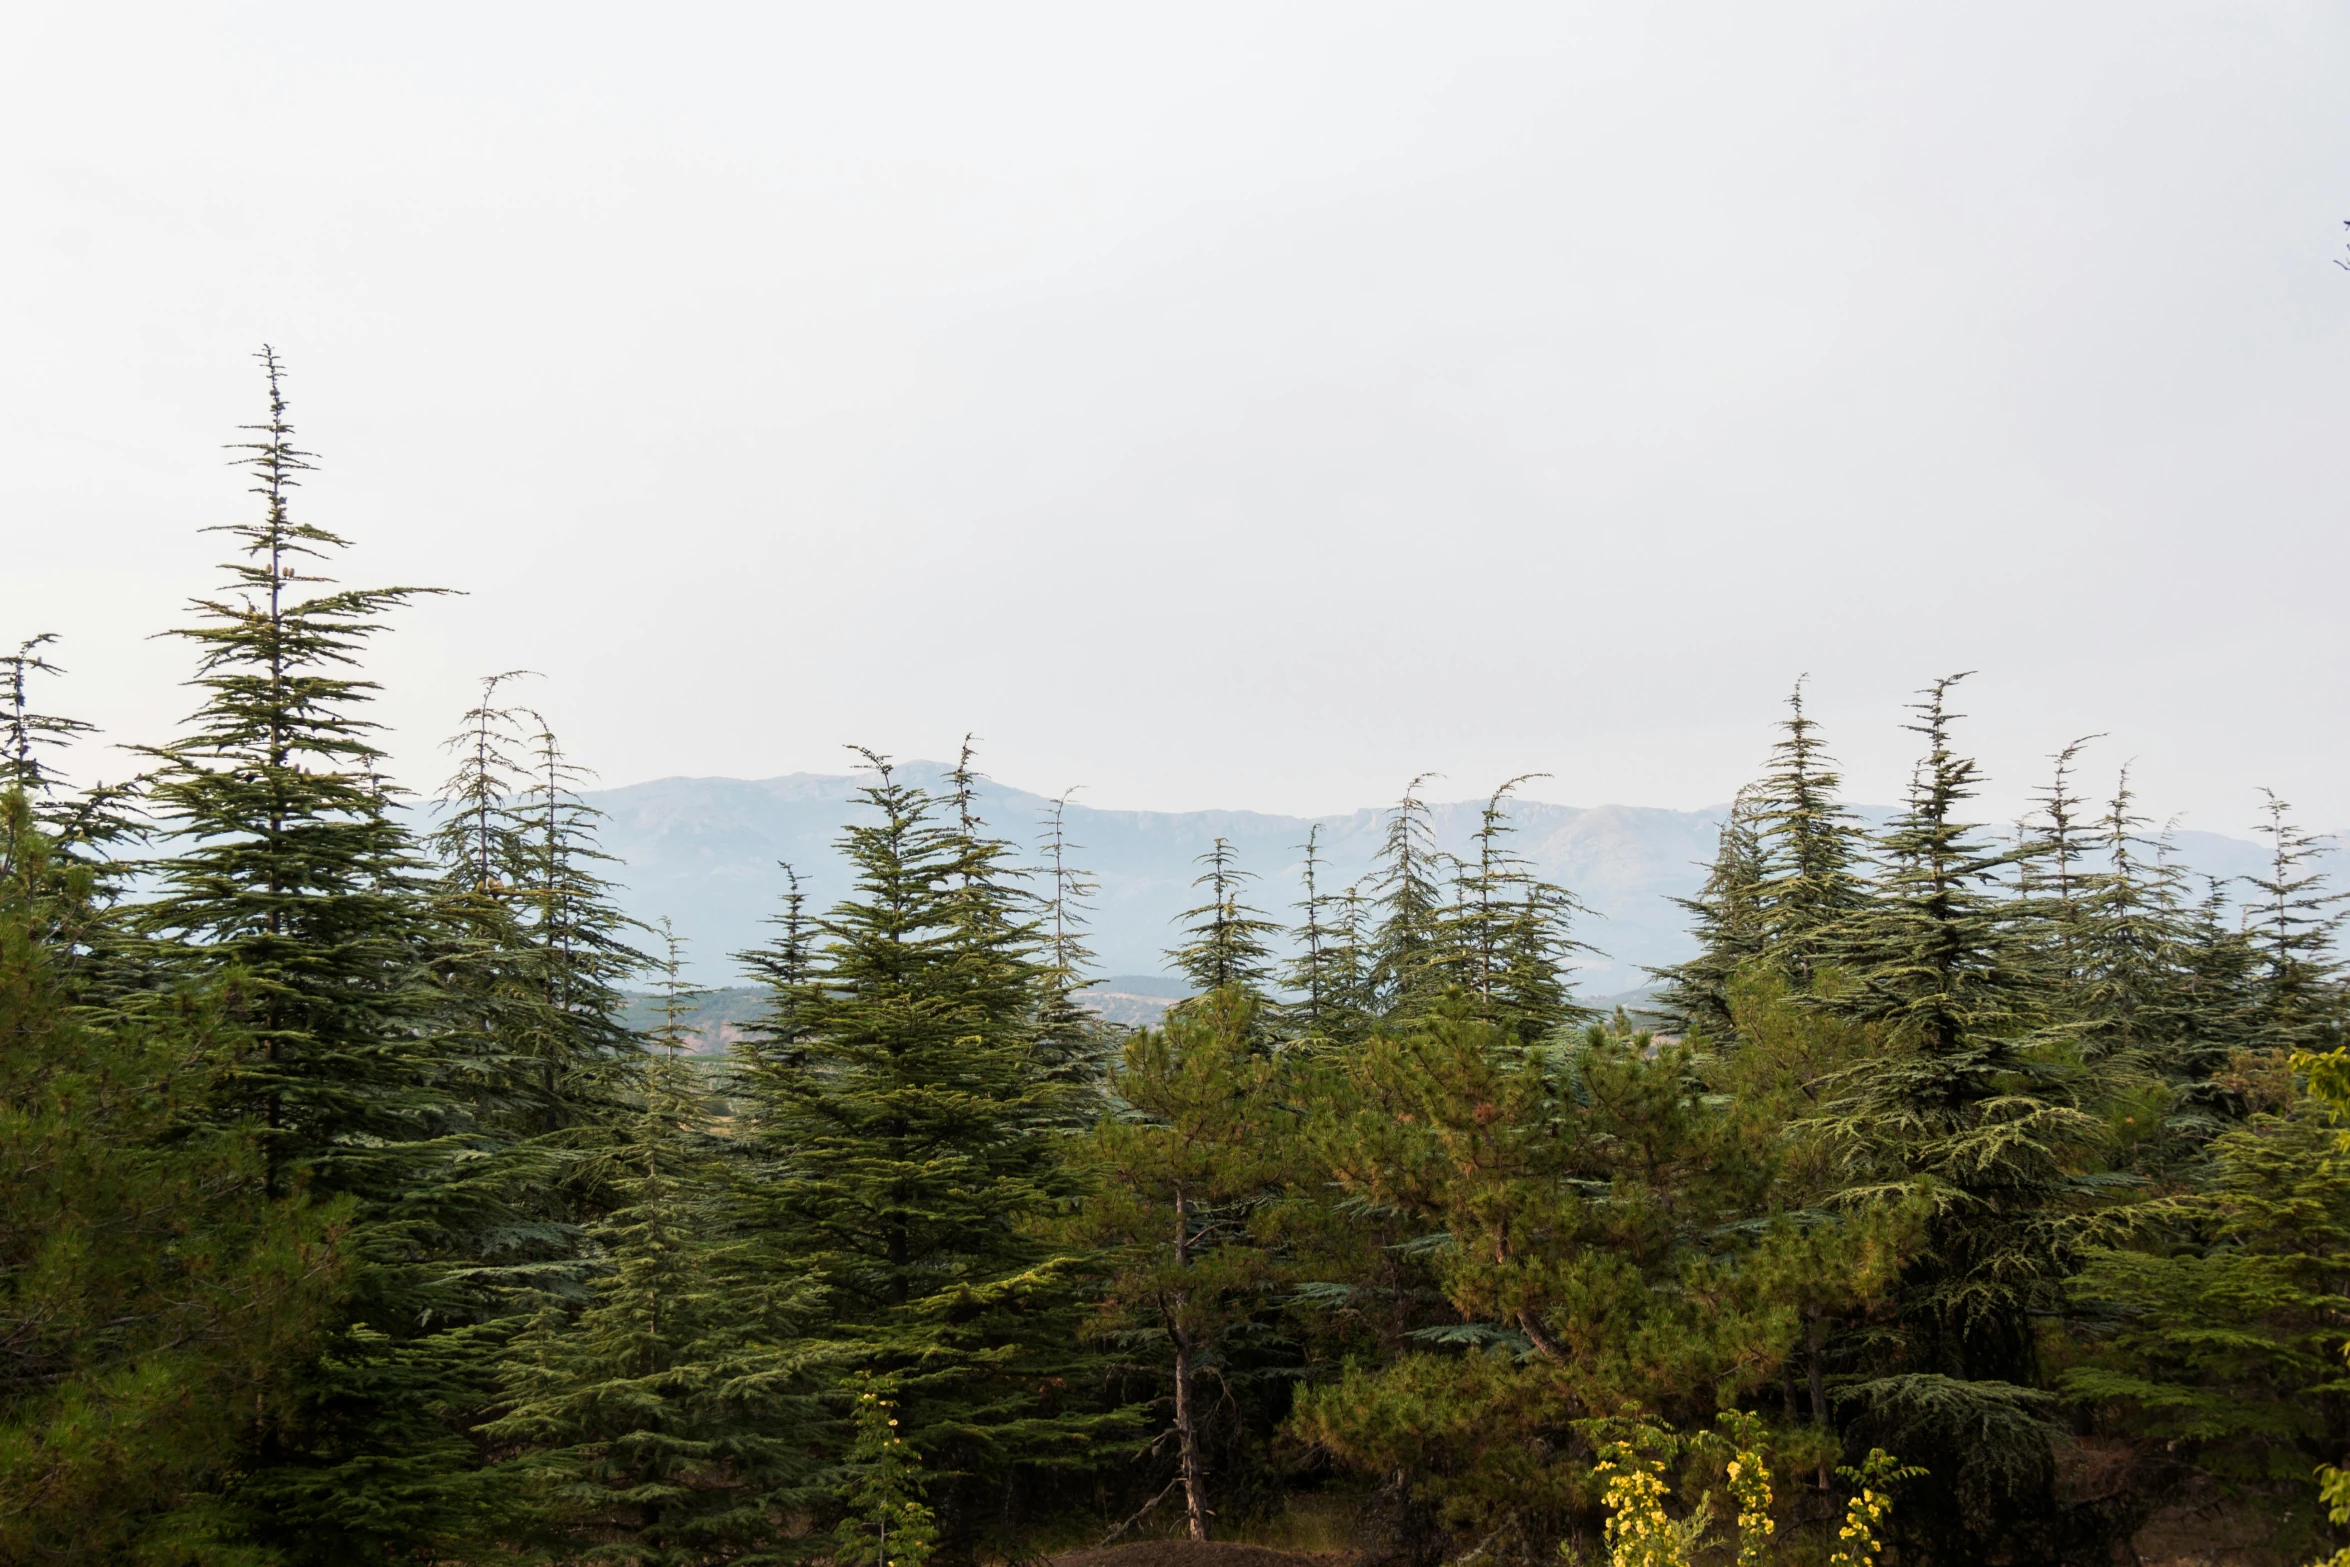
704, 850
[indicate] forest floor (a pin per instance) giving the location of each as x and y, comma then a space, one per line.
1195, 1553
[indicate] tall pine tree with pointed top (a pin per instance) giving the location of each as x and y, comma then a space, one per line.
1071, 1038
1808, 879
1226, 943
1405, 967
290, 887
1957, 1108
913, 1157
1326, 971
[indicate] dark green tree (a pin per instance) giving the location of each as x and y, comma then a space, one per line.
1071, 1037
1226, 941
1326, 972
913, 1165
1181, 1177
675, 1419
1808, 876
1726, 922
2294, 921
1508, 935
291, 889
151, 1294
1960, 1107
24, 731
1405, 952
2216, 1340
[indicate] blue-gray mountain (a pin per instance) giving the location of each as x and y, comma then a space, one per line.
704, 852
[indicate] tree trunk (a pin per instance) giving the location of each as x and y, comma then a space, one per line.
1195, 1497
1195, 1491
1815, 1338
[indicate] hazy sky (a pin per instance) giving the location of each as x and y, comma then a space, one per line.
1221, 404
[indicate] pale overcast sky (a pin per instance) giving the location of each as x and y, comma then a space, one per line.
1221, 405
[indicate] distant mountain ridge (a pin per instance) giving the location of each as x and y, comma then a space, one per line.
704, 852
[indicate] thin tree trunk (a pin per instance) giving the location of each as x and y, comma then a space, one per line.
1195, 1499
1815, 1338
1195, 1492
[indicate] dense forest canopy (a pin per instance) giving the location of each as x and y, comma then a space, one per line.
1972, 1196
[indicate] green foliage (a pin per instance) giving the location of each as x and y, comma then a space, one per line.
1858, 1542
2222, 1330
346, 1221
1613, 1236
674, 1417
150, 1294
1506, 938
909, 1163
1226, 939
1175, 1212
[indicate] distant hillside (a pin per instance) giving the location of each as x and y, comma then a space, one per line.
704, 850
715, 1018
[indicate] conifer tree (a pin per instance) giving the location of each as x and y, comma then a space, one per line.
2294, 925
1404, 971
2054, 879
1326, 973
2218, 1335
82, 834
1959, 1106
291, 868
25, 731
1727, 924
1506, 939
151, 1295
1181, 1177
676, 1419
579, 945
912, 1168
886, 1522
1612, 1240
293, 888
1226, 943
1070, 1037
784, 966
1806, 879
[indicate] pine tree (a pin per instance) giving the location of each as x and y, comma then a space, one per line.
1806, 879
24, 731
292, 870
676, 1419
1071, 1038
1727, 923
1326, 973
2299, 1007
151, 1295
579, 949
1508, 935
2054, 881
1611, 1239
773, 1044
1405, 969
82, 834
1227, 942
912, 1166
885, 1522
2218, 1336
1180, 1178
294, 891
1960, 1107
